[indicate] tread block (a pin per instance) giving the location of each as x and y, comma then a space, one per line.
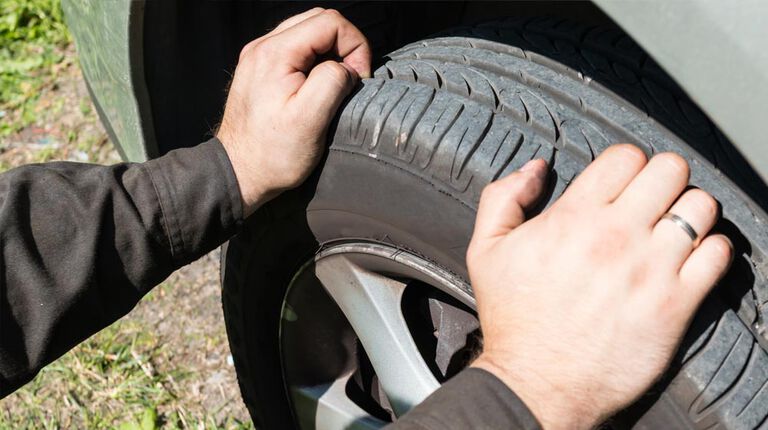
725, 382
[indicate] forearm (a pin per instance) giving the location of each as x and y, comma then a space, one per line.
83, 243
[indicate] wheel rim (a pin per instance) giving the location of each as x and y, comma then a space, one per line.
350, 359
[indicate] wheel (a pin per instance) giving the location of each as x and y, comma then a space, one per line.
347, 301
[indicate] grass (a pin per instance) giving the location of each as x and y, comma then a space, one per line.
45, 111
115, 365
32, 37
127, 377
112, 380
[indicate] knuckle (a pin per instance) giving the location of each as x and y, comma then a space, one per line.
265, 48
335, 72
333, 14
614, 238
247, 49
471, 255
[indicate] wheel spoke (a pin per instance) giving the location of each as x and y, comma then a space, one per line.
327, 406
371, 303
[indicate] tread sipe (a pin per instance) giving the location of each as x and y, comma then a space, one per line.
463, 110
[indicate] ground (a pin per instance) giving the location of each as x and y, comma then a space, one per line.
165, 365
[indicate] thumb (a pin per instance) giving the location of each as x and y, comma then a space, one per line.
325, 88
503, 203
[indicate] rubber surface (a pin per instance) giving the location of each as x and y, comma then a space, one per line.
416, 144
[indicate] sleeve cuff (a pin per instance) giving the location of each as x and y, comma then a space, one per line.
475, 398
199, 198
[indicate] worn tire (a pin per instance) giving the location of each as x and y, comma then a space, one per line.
414, 147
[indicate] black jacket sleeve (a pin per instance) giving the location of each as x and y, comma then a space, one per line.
473, 399
81, 244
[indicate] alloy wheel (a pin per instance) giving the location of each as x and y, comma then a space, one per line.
368, 331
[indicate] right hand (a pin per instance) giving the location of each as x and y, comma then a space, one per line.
281, 100
583, 307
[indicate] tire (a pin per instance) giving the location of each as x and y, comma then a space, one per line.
414, 147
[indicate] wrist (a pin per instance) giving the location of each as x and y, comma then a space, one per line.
254, 190
553, 406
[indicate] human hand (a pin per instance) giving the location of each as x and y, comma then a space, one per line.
281, 101
583, 306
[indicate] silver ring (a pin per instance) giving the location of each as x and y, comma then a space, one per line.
683, 224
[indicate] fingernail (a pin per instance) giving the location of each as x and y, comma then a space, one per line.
729, 243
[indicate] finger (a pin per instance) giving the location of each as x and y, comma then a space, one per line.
705, 267
322, 33
503, 203
608, 175
296, 19
323, 91
288, 23
655, 188
699, 210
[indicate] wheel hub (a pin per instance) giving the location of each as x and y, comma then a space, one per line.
368, 331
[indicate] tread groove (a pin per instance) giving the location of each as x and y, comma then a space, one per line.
418, 119
477, 144
692, 408
456, 155
735, 380
757, 393
498, 148
377, 130
520, 142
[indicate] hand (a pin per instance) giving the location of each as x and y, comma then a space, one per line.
281, 101
583, 306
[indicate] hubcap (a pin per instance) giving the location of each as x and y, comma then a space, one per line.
368, 331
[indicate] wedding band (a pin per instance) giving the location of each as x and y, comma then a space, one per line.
683, 224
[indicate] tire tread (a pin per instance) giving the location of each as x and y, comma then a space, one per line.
484, 108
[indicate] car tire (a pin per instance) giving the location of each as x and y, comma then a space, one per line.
441, 118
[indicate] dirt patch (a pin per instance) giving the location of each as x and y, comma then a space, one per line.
64, 124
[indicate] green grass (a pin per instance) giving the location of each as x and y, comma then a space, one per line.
45, 114
32, 37
109, 381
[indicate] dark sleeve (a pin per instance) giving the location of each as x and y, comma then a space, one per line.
81, 244
473, 399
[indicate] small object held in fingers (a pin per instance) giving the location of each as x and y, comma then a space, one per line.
683, 224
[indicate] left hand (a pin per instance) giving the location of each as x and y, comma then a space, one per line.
281, 101
583, 306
